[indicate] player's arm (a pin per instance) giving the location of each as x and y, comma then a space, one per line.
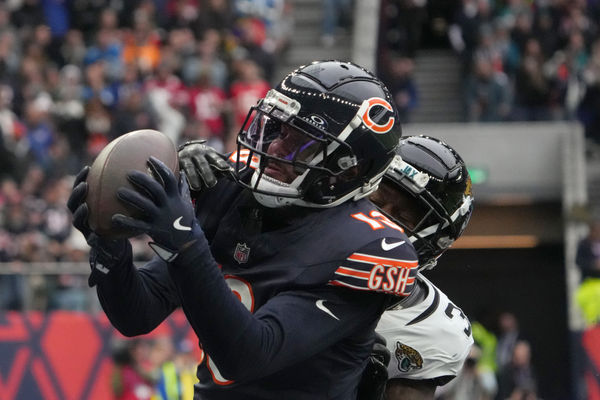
242, 344
137, 300
247, 346
405, 389
289, 328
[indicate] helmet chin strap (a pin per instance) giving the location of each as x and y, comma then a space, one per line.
290, 195
271, 185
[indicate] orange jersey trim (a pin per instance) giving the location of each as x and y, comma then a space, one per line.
390, 262
354, 273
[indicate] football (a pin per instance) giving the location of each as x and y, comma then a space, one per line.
109, 172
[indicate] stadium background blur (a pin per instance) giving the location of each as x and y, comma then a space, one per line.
513, 85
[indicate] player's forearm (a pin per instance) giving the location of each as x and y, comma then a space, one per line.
240, 344
130, 303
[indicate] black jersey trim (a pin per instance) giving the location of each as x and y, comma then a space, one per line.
430, 310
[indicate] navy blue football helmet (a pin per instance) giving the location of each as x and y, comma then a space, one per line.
325, 135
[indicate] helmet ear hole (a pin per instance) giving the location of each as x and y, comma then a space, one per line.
349, 174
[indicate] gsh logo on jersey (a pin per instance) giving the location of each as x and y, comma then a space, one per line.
389, 279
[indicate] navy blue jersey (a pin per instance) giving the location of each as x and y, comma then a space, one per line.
284, 302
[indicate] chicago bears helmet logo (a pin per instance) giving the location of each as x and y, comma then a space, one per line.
365, 116
408, 358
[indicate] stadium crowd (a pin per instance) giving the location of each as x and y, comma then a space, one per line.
522, 60
527, 60
75, 75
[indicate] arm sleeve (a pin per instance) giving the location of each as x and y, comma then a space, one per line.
247, 346
137, 300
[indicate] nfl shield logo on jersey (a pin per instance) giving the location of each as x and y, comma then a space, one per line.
241, 253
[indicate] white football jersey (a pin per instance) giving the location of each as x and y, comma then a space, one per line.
428, 340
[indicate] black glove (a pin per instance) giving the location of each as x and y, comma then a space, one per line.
200, 162
166, 206
374, 377
105, 253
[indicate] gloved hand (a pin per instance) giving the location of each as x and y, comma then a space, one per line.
105, 253
201, 164
166, 206
374, 377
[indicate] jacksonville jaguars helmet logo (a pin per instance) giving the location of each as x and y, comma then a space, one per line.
408, 358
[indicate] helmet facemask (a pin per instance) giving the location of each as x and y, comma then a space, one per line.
296, 160
407, 195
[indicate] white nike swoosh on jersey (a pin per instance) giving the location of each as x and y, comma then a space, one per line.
177, 225
388, 246
322, 307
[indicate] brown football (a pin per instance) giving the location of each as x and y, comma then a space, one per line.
109, 172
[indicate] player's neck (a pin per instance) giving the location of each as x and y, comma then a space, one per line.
418, 294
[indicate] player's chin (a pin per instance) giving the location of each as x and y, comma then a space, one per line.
278, 173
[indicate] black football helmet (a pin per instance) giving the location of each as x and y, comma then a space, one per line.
427, 191
325, 135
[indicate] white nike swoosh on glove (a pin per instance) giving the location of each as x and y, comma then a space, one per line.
177, 225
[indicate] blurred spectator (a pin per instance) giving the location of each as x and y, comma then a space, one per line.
590, 104
97, 85
166, 97
13, 145
107, 50
532, 88
517, 379
11, 286
251, 44
68, 109
400, 82
544, 30
207, 104
464, 32
246, 89
177, 375
207, 61
508, 335
131, 377
470, 383
142, 44
487, 96
98, 124
587, 297
588, 252
40, 135
9, 48
405, 19
275, 16
587, 258
217, 15
335, 16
